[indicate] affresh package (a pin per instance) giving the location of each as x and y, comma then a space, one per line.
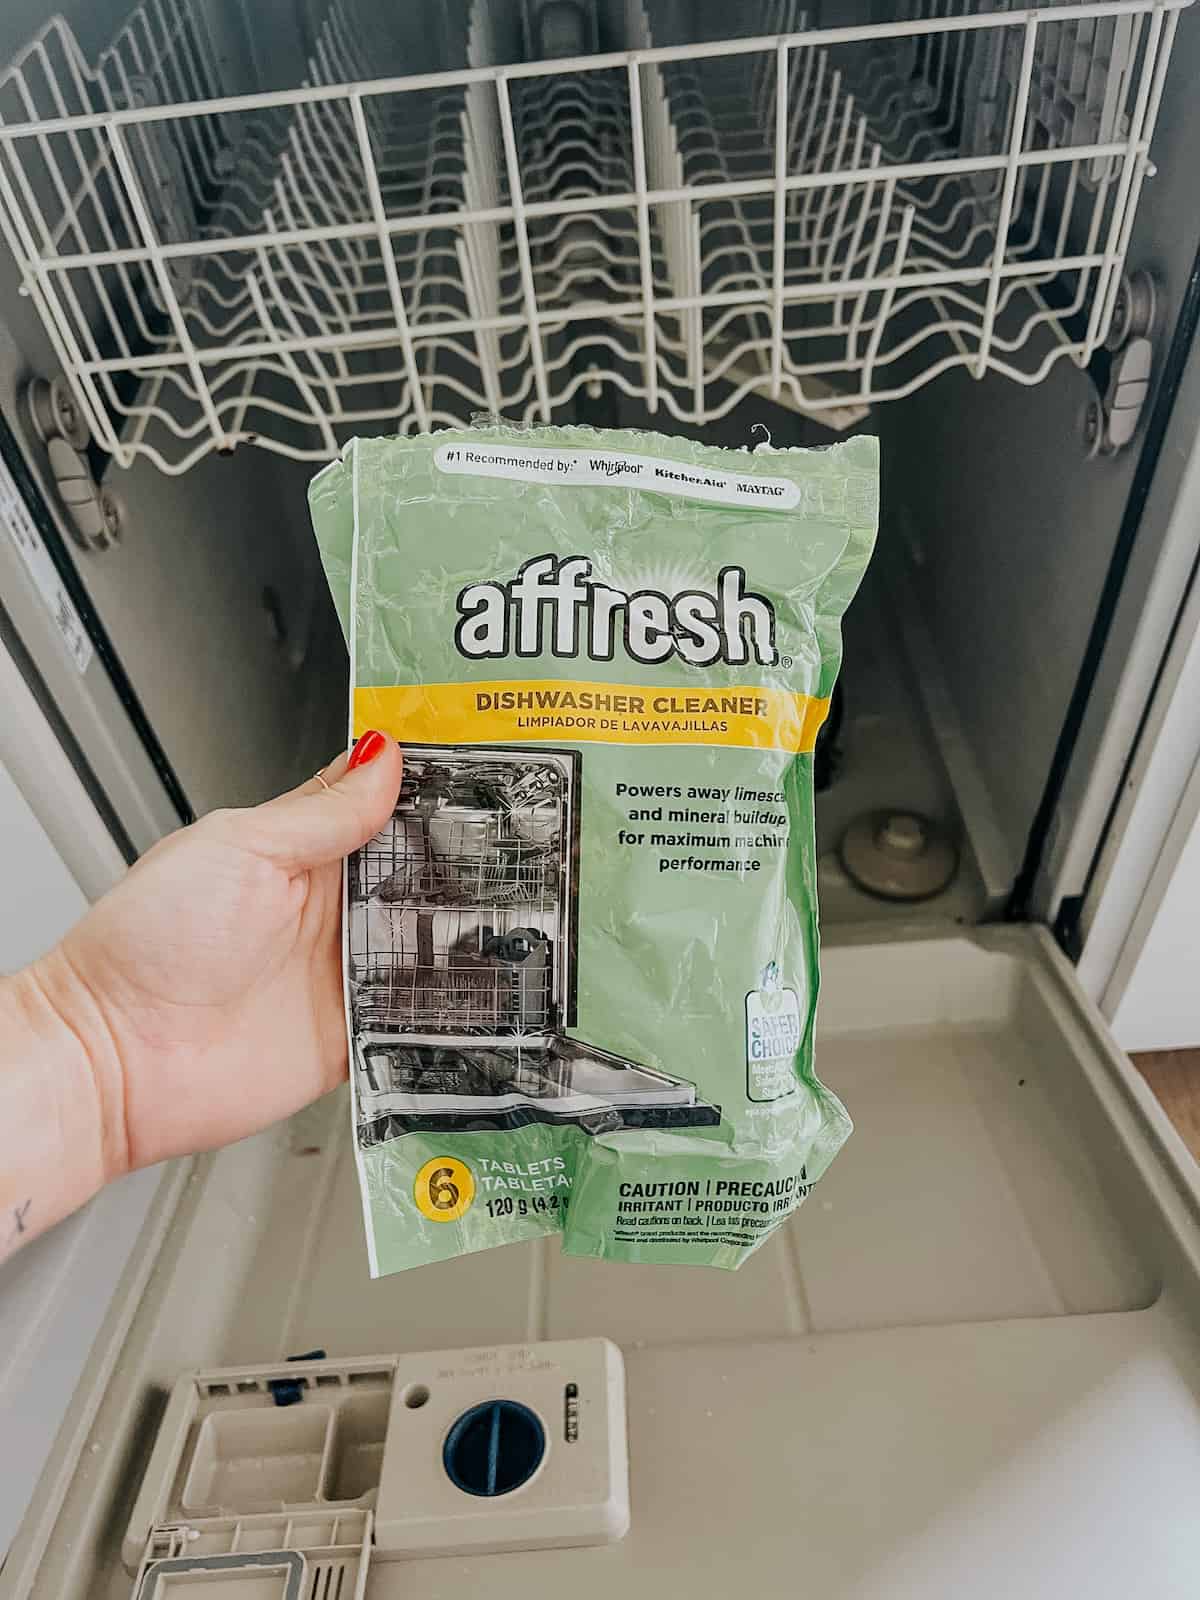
582, 958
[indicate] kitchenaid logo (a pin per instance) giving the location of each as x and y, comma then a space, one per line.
556, 607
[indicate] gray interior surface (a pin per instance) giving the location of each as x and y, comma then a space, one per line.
889, 757
1007, 528
947, 1361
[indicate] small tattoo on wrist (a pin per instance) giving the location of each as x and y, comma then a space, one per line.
20, 1215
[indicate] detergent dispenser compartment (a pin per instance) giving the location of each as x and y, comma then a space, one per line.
268, 1483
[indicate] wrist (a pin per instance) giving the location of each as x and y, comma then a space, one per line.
88, 1076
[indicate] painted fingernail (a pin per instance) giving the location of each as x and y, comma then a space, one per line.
367, 748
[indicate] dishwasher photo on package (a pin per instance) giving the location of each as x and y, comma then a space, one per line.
462, 918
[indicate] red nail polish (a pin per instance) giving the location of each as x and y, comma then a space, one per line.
367, 748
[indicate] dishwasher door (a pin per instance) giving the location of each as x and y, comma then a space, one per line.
942, 1376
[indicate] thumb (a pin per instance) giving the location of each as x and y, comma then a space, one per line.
324, 821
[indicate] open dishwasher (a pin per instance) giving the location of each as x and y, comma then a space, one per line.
236, 235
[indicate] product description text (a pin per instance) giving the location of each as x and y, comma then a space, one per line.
710, 829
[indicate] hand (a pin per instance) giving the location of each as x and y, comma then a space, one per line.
206, 988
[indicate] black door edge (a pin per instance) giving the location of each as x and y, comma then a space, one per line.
1018, 907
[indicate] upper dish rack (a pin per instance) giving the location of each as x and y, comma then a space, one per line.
825, 218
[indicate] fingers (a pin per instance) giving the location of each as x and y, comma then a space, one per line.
314, 824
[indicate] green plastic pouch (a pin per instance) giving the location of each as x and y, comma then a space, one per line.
581, 960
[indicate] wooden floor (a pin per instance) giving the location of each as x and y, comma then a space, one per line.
1174, 1075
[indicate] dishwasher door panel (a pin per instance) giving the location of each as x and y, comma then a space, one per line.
937, 1378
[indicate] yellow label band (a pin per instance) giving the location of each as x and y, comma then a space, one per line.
555, 709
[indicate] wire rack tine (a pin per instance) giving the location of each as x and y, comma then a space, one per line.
1015, 144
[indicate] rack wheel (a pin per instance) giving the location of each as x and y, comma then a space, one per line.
55, 413
1135, 309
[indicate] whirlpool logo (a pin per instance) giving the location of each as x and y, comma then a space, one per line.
554, 606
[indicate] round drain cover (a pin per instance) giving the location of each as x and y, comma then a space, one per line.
898, 855
494, 1448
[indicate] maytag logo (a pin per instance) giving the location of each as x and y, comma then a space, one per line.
554, 606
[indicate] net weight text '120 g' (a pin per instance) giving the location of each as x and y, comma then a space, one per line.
582, 957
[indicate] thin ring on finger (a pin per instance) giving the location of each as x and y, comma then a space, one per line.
320, 778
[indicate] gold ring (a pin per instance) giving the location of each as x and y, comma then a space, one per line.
320, 777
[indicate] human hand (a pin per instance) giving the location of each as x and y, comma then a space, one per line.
206, 988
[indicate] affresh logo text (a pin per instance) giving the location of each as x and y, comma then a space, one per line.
554, 606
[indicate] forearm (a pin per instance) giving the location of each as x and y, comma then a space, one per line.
60, 1112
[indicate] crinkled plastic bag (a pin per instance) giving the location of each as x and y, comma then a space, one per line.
581, 960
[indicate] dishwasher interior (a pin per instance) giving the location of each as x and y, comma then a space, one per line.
240, 234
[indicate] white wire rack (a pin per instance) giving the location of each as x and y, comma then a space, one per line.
827, 218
